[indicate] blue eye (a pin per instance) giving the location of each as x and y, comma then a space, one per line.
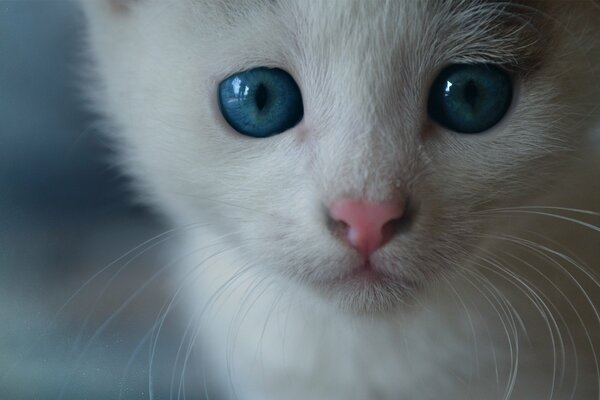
470, 98
261, 102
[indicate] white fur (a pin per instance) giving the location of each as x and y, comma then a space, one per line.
259, 262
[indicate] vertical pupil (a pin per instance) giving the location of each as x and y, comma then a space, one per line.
471, 93
261, 96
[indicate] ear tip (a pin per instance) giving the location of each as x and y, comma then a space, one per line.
107, 6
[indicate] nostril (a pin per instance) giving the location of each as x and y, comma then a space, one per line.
338, 228
390, 228
364, 225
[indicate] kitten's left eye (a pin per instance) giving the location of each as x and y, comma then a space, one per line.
470, 98
261, 102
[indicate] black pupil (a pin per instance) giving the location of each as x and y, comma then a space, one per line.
261, 96
471, 93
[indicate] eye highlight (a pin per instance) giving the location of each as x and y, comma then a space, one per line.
261, 102
470, 98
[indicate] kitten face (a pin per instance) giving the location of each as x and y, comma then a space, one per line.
364, 70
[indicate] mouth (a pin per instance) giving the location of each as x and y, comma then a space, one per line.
365, 273
367, 277
366, 290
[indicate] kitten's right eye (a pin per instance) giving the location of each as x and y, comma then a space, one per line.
470, 98
261, 102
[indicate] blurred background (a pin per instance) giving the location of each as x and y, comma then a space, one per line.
76, 321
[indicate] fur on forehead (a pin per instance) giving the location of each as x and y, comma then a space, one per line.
505, 32
513, 33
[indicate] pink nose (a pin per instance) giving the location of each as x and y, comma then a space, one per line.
367, 224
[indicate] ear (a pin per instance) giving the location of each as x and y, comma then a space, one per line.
120, 6
107, 7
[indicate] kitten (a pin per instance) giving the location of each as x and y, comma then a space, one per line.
353, 180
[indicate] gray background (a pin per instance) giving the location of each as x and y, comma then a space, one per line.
64, 218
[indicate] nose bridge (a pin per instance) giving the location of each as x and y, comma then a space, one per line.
364, 136
364, 162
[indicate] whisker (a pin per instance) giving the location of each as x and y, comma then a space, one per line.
136, 351
210, 303
120, 270
496, 310
547, 214
174, 298
220, 290
123, 306
534, 295
186, 332
276, 302
541, 250
469, 318
139, 247
238, 320
568, 209
562, 319
512, 338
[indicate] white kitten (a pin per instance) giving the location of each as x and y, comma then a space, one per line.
363, 235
